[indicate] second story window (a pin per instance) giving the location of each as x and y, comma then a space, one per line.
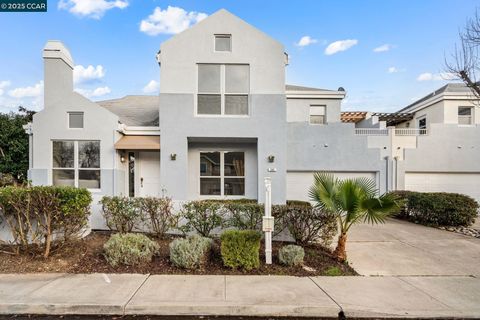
422, 125
318, 115
223, 42
465, 116
75, 120
223, 89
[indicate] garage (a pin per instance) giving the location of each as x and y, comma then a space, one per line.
464, 183
298, 183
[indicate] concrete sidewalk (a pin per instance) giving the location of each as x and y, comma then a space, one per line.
119, 294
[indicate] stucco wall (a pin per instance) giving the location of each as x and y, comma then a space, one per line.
298, 110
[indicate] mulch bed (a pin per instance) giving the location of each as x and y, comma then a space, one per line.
86, 256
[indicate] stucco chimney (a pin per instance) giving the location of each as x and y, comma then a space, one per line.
58, 76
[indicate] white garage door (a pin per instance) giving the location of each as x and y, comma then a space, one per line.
465, 183
298, 183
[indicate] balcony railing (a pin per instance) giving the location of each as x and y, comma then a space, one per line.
395, 131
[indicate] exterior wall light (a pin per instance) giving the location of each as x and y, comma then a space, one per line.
271, 158
173, 156
122, 157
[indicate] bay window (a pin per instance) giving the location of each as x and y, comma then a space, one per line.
223, 89
76, 164
222, 173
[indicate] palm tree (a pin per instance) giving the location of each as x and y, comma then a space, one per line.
351, 200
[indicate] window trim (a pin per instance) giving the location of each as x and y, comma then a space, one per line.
222, 35
324, 115
472, 116
76, 167
68, 120
222, 176
222, 93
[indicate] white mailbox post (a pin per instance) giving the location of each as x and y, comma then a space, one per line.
268, 223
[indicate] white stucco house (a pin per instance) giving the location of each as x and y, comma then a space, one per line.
225, 119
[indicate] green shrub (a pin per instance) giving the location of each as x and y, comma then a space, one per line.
7, 179
333, 272
438, 208
202, 216
190, 253
305, 223
298, 203
291, 255
245, 215
129, 249
39, 215
122, 214
158, 212
240, 248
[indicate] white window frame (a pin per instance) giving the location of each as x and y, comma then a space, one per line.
68, 120
324, 114
76, 168
222, 35
222, 93
222, 176
472, 116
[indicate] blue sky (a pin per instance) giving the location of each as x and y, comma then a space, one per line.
114, 57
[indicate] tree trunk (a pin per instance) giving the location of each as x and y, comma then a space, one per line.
340, 253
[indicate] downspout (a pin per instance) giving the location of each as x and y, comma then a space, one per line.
395, 187
386, 174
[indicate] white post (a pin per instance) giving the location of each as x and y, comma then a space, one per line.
268, 221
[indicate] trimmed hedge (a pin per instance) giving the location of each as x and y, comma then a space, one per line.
437, 208
122, 214
190, 253
241, 249
202, 216
41, 214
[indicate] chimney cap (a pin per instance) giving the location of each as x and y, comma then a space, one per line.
56, 49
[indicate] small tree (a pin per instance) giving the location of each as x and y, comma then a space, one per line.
351, 200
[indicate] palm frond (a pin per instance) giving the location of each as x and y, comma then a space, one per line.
368, 185
323, 190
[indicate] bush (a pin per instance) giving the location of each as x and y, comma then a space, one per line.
122, 214
129, 249
298, 203
245, 215
306, 223
190, 253
240, 248
202, 216
334, 272
438, 209
7, 179
291, 255
158, 211
38, 215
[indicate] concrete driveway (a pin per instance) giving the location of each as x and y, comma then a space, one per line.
401, 248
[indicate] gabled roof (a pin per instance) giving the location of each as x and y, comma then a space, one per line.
450, 87
135, 110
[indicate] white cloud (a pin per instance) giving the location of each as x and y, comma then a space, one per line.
306, 41
91, 8
393, 70
88, 74
152, 87
340, 45
428, 76
170, 21
383, 48
3, 85
31, 91
98, 92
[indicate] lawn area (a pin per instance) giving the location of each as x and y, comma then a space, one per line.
87, 256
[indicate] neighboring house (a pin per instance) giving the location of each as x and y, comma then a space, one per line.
434, 142
224, 121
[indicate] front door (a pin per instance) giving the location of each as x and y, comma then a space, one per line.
144, 174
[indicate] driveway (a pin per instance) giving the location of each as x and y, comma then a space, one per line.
400, 248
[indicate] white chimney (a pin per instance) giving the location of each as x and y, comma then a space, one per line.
58, 76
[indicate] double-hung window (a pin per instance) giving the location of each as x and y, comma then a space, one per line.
422, 125
317, 114
76, 163
223, 89
465, 115
222, 173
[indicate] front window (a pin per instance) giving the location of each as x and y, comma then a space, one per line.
422, 125
223, 42
75, 120
223, 89
465, 116
76, 164
317, 115
222, 173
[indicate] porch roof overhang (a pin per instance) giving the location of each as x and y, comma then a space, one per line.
138, 143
